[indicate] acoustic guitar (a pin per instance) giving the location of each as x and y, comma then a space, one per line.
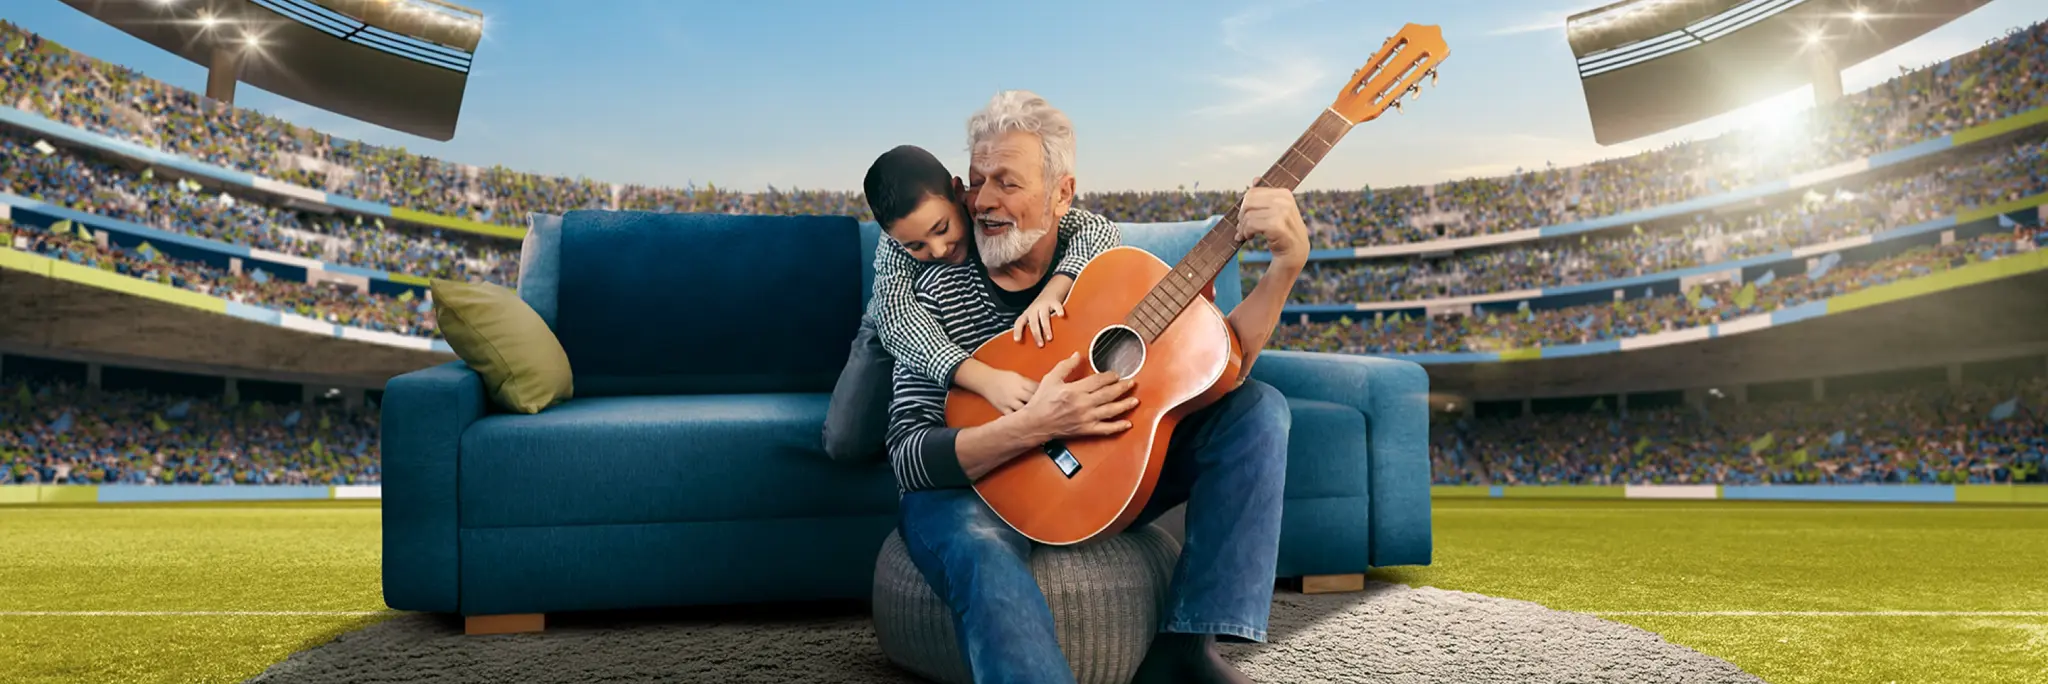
1131, 313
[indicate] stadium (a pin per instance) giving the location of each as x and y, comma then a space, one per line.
1752, 407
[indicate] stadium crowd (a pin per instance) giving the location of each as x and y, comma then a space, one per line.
70, 434
1973, 434
1991, 82
1498, 327
358, 309
80, 180
1980, 178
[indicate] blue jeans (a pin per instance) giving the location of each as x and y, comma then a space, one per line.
1228, 462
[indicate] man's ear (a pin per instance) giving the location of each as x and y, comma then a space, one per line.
1063, 196
959, 189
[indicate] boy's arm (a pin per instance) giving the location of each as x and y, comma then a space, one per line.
1088, 236
907, 330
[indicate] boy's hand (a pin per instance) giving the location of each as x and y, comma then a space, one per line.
1006, 390
1038, 319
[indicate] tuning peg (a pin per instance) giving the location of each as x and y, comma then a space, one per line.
1414, 92
1397, 106
1432, 78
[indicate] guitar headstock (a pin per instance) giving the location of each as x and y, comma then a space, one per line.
1396, 70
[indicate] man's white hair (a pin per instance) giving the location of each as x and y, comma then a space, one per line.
1023, 110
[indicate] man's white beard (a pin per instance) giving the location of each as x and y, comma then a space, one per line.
1005, 249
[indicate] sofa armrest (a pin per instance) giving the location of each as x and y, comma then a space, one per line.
1394, 396
424, 415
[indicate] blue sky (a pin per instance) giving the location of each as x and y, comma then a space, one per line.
1163, 93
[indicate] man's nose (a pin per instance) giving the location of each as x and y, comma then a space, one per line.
982, 200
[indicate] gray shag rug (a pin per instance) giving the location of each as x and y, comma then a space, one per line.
1388, 633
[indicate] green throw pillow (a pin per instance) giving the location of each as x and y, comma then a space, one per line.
494, 331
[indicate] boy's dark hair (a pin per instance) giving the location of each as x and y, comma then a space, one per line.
900, 179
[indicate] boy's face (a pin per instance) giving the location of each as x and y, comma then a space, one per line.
936, 232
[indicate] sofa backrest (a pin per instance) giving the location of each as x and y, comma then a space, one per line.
660, 303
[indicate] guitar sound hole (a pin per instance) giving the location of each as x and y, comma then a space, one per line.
1117, 349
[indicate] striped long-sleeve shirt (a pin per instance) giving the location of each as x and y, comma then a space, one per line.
914, 336
967, 309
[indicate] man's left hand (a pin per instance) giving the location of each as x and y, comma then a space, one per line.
1271, 212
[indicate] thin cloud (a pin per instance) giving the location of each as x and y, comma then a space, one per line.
1229, 153
1273, 80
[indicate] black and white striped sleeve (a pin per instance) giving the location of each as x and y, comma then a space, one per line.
922, 450
910, 332
1088, 235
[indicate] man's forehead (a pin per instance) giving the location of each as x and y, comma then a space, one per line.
1006, 152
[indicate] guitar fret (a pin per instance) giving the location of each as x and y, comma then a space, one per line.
1206, 259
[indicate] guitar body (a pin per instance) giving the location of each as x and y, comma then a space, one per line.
1191, 365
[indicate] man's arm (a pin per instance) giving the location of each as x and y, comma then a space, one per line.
1270, 212
1088, 236
926, 454
1258, 315
907, 330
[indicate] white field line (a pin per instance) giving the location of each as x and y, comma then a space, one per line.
189, 613
1821, 613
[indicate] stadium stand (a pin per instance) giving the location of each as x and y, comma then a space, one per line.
1978, 433
359, 309
67, 434
70, 434
81, 180
1989, 83
1522, 327
1980, 178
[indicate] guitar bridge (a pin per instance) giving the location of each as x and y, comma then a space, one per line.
1062, 458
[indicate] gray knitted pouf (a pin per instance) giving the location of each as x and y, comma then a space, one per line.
1106, 598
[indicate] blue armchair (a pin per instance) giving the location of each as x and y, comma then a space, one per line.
689, 469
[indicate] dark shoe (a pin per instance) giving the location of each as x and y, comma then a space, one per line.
1186, 659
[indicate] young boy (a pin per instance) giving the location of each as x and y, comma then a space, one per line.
922, 209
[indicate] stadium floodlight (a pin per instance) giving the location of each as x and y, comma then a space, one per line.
318, 51
1648, 66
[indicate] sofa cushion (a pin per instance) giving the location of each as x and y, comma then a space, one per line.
540, 264
1326, 450
522, 366
1171, 242
689, 458
652, 303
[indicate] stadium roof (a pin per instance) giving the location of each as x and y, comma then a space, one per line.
404, 69
1648, 66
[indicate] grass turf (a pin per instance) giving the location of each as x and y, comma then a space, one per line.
1595, 556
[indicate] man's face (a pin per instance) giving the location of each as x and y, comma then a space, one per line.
1012, 204
935, 232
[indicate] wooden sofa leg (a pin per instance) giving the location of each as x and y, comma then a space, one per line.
503, 624
1330, 584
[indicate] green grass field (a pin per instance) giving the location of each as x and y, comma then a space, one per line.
150, 593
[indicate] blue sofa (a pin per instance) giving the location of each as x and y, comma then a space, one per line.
689, 467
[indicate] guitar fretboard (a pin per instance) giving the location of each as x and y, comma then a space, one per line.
1219, 246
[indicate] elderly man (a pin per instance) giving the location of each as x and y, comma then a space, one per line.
1227, 461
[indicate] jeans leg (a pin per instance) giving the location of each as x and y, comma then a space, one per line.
981, 568
1236, 454
857, 420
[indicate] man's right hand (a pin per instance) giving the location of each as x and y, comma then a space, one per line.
1089, 407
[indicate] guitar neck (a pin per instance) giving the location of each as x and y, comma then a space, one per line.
1219, 246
